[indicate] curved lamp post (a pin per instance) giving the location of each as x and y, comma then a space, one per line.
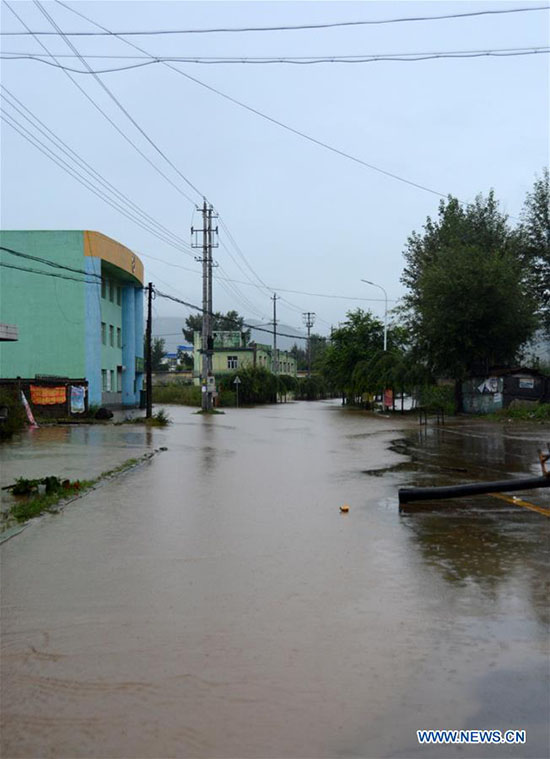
368, 282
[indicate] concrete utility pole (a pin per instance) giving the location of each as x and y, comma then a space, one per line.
148, 355
207, 342
309, 321
275, 359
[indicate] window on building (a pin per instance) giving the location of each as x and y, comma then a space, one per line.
119, 379
111, 335
111, 291
103, 333
104, 379
112, 380
103, 288
119, 295
118, 337
232, 362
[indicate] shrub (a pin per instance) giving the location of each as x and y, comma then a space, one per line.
435, 397
184, 395
17, 417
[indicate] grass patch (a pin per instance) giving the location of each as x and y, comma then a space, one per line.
183, 395
160, 419
39, 504
539, 413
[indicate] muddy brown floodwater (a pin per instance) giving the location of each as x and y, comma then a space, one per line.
215, 603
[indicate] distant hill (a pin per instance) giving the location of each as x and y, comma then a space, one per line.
170, 329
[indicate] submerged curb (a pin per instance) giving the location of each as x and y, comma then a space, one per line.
99, 482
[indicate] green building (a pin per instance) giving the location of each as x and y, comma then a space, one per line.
232, 352
76, 298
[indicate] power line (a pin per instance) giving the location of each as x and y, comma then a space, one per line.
294, 27
133, 121
115, 99
108, 118
48, 262
96, 176
224, 225
235, 321
270, 58
39, 145
404, 58
265, 116
48, 273
262, 115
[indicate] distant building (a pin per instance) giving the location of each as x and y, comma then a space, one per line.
232, 352
80, 319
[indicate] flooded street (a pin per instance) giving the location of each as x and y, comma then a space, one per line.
215, 602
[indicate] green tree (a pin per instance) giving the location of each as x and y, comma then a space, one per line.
229, 322
534, 245
468, 307
158, 351
318, 348
356, 340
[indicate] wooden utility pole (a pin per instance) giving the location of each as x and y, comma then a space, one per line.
148, 355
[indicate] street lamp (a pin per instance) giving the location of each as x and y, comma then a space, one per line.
385, 310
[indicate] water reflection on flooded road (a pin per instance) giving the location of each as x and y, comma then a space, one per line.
215, 603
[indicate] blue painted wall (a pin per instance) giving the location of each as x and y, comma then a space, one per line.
128, 345
140, 296
93, 331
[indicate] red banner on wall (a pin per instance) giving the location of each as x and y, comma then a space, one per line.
388, 398
48, 396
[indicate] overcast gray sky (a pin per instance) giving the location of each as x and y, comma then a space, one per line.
305, 218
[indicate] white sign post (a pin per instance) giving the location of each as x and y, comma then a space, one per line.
237, 382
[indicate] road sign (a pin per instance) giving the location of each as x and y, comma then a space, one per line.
237, 381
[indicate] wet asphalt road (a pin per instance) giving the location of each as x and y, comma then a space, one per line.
216, 603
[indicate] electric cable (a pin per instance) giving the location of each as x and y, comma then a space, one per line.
48, 273
262, 115
33, 140
48, 262
287, 61
117, 101
334, 58
210, 313
108, 118
73, 155
298, 27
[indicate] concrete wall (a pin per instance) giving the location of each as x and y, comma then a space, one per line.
50, 312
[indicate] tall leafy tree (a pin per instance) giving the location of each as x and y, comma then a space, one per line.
534, 245
318, 348
467, 303
158, 352
356, 340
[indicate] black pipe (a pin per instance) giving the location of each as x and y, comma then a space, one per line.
407, 495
